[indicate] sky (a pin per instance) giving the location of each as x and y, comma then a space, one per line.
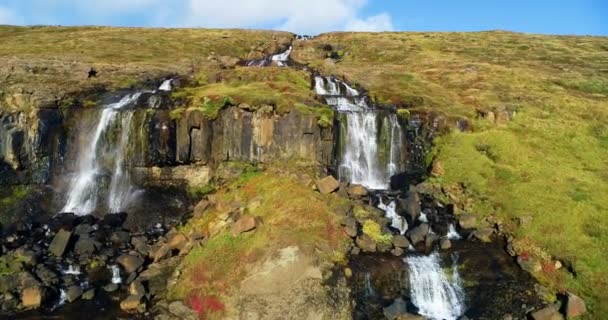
582, 17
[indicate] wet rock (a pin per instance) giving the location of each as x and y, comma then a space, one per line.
60, 242
178, 309
141, 245
357, 191
575, 306
400, 241
409, 316
114, 220
89, 294
244, 224
467, 221
397, 252
130, 262
46, 275
548, 313
430, 240
131, 303
383, 247
73, 293
83, 229
120, 238
366, 243
411, 206
418, 234
86, 247
350, 231
111, 287
483, 234
445, 244
397, 308
31, 298
327, 185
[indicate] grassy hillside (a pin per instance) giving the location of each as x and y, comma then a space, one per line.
44, 64
537, 144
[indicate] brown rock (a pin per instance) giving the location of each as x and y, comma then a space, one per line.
350, 231
418, 234
357, 191
548, 313
483, 234
397, 252
130, 304
467, 221
366, 243
177, 241
130, 262
60, 242
200, 208
400, 241
575, 306
437, 170
445, 244
31, 298
529, 264
244, 224
327, 185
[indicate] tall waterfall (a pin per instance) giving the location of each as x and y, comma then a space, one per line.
361, 162
436, 296
84, 190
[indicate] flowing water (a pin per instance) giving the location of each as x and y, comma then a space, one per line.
166, 85
397, 221
116, 278
84, 190
434, 294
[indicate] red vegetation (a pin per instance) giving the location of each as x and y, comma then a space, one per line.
205, 305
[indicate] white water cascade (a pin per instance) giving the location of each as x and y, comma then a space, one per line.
281, 58
116, 279
452, 233
360, 161
436, 296
397, 221
166, 85
84, 188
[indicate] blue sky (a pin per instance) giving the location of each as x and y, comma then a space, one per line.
315, 16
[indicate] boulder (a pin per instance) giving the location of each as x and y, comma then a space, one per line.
137, 289
73, 293
60, 242
141, 245
244, 224
327, 185
86, 246
397, 252
177, 241
89, 294
411, 206
445, 244
120, 238
397, 308
575, 306
418, 234
400, 241
130, 262
366, 243
31, 298
548, 313
483, 234
357, 191
383, 247
350, 231
430, 240
83, 229
178, 309
350, 226
46, 275
200, 208
131, 303
111, 287
467, 221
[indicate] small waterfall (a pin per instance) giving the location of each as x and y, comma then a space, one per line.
397, 221
116, 279
63, 297
84, 188
121, 190
166, 85
452, 233
281, 58
369, 289
436, 296
360, 161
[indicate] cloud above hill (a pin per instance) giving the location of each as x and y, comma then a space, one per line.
301, 16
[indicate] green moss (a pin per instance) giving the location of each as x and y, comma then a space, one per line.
374, 231
89, 103
197, 192
403, 113
10, 264
177, 114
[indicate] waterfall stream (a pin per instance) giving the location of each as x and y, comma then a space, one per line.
436, 296
83, 193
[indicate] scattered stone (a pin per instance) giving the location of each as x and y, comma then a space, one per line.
130, 262
131, 303
31, 297
557, 265
357, 191
120, 238
383, 247
397, 308
355, 251
409, 316
418, 234
178, 309
350, 231
411, 206
110, 287
141, 245
46, 275
510, 250
73, 293
397, 252
177, 241
137, 289
400, 241
327, 185
348, 272
159, 252
60, 242
483, 234
430, 240
89, 294
548, 313
467, 221
575, 306
244, 224
200, 208
445, 244
83, 229
366, 243
86, 246
350, 226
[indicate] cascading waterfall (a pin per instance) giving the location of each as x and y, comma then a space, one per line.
84, 189
452, 233
281, 58
360, 161
116, 278
397, 221
121, 190
436, 296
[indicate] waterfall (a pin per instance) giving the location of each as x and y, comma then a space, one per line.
120, 186
436, 296
360, 161
452, 233
166, 85
84, 188
397, 221
282, 58
116, 279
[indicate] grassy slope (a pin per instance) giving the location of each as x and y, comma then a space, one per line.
549, 163
53, 61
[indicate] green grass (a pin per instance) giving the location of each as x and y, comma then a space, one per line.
9, 198
374, 231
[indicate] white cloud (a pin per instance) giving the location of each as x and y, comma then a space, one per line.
301, 16
8, 16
